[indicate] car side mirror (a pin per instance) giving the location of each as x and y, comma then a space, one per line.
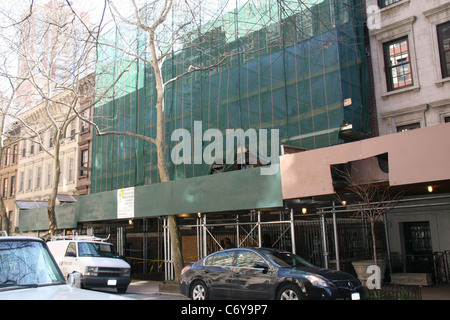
261, 265
70, 254
74, 280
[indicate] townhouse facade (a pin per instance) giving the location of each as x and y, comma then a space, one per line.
36, 161
8, 178
410, 51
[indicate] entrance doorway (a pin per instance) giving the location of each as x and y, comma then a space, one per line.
418, 247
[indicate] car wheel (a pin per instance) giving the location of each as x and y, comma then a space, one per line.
290, 292
199, 291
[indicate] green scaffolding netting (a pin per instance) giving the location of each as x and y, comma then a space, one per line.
296, 66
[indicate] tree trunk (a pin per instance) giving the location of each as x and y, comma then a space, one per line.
177, 256
374, 244
53, 226
4, 217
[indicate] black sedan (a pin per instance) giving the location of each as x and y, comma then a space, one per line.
265, 274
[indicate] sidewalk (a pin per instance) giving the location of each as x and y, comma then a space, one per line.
151, 286
436, 292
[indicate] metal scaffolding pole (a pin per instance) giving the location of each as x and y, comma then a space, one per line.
205, 249
336, 244
325, 246
168, 270
259, 229
294, 250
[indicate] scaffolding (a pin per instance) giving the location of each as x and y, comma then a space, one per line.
296, 66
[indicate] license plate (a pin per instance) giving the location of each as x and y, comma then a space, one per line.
356, 296
112, 282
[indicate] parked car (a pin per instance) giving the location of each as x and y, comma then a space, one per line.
28, 271
263, 274
96, 260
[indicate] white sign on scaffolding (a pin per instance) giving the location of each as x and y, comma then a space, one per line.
125, 203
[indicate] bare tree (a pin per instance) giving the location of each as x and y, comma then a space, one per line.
53, 55
373, 199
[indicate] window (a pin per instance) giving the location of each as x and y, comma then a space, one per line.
70, 170
71, 250
21, 181
447, 119
408, 127
7, 155
13, 186
222, 259
40, 146
50, 139
5, 187
30, 179
385, 3
443, 32
24, 149
48, 181
38, 178
15, 153
397, 64
247, 259
72, 130
84, 162
84, 124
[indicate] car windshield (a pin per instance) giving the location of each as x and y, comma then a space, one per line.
27, 263
93, 249
286, 259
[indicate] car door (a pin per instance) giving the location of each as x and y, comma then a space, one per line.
217, 272
68, 260
250, 279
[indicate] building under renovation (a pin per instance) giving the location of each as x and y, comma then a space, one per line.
295, 66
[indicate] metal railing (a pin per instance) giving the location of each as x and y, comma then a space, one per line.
442, 267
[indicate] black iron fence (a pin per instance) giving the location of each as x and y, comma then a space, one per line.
316, 243
442, 267
394, 292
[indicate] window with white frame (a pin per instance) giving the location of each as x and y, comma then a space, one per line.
70, 171
48, 180
38, 178
30, 179
21, 181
